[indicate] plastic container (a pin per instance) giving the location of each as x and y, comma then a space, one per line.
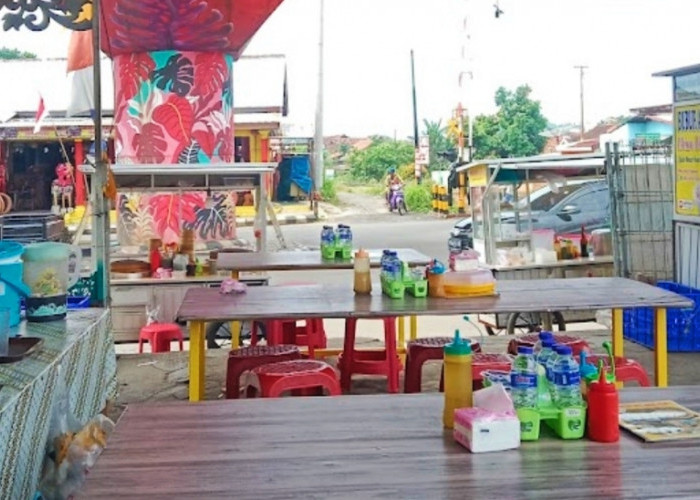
682, 325
523, 379
327, 242
566, 379
362, 274
543, 239
11, 279
466, 260
457, 378
469, 283
603, 411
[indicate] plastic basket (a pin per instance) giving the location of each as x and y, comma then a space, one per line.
682, 325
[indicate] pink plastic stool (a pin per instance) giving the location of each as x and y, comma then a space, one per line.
283, 331
159, 336
276, 378
247, 358
381, 362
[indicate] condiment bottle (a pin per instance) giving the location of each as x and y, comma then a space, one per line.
458, 378
584, 243
363, 276
557, 247
603, 410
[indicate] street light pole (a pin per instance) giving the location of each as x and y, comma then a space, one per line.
581, 70
318, 136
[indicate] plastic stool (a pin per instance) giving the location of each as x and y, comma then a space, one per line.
246, 358
418, 352
159, 336
381, 362
276, 378
284, 331
626, 370
577, 344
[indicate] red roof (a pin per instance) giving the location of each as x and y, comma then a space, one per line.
130, 26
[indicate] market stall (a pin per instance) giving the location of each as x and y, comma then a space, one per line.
537, 218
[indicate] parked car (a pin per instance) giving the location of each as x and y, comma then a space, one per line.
578, 203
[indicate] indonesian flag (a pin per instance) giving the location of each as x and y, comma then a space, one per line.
41, 113
79, 68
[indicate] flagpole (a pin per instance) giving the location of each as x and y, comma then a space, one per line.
100, 206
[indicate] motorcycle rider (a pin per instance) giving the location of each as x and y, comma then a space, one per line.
392, 179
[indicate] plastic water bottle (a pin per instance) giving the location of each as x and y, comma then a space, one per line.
327, 237
550, 362
523, 379
567, 379
344, 236
383, 263
545, 353
396, 273
544, 334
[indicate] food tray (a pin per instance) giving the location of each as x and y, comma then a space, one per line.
20, 348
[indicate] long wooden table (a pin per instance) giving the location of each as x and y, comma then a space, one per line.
377, 446
310, 260
323, 301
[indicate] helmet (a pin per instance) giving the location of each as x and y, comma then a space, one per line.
392, 170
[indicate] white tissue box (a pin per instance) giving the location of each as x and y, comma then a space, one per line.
481, 430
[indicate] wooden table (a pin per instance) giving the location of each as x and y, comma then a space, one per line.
309, 261
324, 301
377, 446
306, 260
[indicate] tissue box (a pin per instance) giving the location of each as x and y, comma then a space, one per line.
481, 430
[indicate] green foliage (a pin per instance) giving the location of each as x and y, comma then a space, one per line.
418, 197
374, 162
328, 191
439, 143
516, 128
407, 171
7, 54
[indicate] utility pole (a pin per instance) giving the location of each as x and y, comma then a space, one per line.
318, 136
415, 120
581, 70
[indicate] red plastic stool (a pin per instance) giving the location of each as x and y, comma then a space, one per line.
418, 352
381, 362
283, 331
626, 370
246, 358
276, 378
482, 362
159, 336
577, 344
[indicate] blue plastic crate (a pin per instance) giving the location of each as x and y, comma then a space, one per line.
682, 325
78, 302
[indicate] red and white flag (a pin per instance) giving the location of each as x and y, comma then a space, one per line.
41, 113
80, 68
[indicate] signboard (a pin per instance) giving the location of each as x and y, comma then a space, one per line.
687, 151
422, 155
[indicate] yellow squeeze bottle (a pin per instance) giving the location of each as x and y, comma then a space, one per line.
458, 378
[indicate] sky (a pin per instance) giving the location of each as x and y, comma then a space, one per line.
367, 45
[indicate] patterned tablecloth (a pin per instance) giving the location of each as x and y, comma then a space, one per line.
78, 354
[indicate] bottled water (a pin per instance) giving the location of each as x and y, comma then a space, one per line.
344, 236
544, 334
550, 362
545, 353
394, 267
523, 379
327, 237
567, 379
383, 263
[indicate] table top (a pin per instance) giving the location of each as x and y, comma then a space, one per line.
388, 446
333, 301
306, 260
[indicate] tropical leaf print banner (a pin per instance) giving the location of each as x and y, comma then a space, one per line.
173, 107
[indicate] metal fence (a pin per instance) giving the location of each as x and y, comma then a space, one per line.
641, 196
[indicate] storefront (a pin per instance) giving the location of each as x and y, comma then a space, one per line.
686, 213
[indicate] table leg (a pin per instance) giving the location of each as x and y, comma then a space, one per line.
197, 366
618, 342
660, 348
414, 328
402, 331
235, 325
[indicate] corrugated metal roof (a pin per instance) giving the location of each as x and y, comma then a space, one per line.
258, 82
684, 70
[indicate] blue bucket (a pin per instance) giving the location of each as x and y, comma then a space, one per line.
12, 289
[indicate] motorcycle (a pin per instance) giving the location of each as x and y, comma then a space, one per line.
396, 199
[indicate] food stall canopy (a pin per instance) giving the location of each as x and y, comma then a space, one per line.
510, 170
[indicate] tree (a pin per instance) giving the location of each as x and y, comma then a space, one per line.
372, 163
439, 143
7, 54
516, 128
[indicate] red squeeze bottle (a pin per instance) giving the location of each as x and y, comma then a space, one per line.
603, 411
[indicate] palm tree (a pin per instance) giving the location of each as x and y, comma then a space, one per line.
439, 143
